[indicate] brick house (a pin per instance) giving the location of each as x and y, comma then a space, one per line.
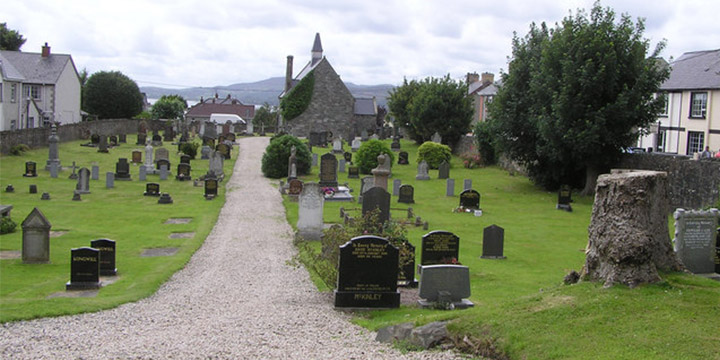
482, 89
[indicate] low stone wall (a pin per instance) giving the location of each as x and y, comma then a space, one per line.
692, 184
37, 138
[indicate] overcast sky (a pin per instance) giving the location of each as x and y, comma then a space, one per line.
185, 43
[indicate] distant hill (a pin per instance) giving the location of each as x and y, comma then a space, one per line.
260, 92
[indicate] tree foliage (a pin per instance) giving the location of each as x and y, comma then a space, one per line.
433, 154
266, 115
277, 154
367, 154
169, 107
432, 105
574, 95
112, 95
10, 39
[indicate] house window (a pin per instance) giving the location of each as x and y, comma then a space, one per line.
32, 91
698, 104
696, 141
666, 104
13, 91
661, 141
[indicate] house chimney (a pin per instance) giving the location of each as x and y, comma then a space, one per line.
288, 73
487, 78
201, 99
45, 50
472, 78
228, 97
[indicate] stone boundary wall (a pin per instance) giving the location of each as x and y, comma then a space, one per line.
692, 184
38, 137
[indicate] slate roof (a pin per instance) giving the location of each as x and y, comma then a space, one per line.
8, 71
365, 106
34, 68
695, 70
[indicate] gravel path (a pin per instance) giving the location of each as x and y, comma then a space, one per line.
237, 299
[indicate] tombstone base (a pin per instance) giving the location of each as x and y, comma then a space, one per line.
366, 300
422, 177
343, 194
183, 178
70, 286
29, 175
493, 257
567, 207
209, 197
463, 304
309, 234
108, 272
332, 184
123, 178
409, 284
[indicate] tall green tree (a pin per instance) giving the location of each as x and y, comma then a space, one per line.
266, 116
169, 107
112, 95
432, 105
574, 96
10, 39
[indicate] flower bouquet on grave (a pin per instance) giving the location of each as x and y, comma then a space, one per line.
328, 191
461, 209
450, 261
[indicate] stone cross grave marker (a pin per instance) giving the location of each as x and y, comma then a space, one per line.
84, 269
107, 256
152, 189
695, 237
310, 212
439, 247
328, 170
444, 170
406, 194
422, 171
493, 242
36, 238
445, 284
367, 274
470, 199
377, 198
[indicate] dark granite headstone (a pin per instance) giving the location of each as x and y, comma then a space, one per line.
137, 157
113, 140
439, 247
493, 242
367, 274
122, 170
33, 189
103, 145
165, 198
122, 138
156, 140
446, 286
695, 238
406, 194
152, 189
403, 158
395, 145
84, 269
141, 139
564, 198
348, 157
161, 162
406, 273
224, 150
377, 198
9, 189
314, 138
470, 199
353, 172
444, 170
107, 256
45, 196
30, 169
211, 188
95, 139
183, 172
184, 159
328, 170
295, 186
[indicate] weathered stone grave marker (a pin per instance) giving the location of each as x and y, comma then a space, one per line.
444, 170
83, 183
310, 212
353, 172
36, 238
564, 198
122, 170
137, 157
109, 180
406, 273
403, 158
377, 198
422, 171
295, 187
695, 238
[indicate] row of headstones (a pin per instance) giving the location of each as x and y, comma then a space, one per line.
371, 268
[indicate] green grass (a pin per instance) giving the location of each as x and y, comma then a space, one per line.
122, 214
521, 301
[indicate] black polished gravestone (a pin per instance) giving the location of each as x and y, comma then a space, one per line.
367, 274
377, 198
493, 242
564, 198
84, 269
141, 139
30, 169
406, 194
348, 157
211, 188
161, 162
439, 247
183, 172
113, 140
353, 172
470, 199
395, 146
224, 150
184, 159
122, 170
152, 189
403, 158
406, 272
107, 256
328, 170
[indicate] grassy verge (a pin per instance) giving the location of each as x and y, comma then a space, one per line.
520, 302
122, 214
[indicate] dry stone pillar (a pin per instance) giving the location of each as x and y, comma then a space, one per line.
628, 233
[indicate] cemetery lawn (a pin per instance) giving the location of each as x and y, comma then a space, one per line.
521, 304
123, 214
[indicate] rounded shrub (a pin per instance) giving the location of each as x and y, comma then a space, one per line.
277, 153
7, 225
366, 156
19, 149
189, 149
434, 154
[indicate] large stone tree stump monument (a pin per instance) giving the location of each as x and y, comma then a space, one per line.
628, 233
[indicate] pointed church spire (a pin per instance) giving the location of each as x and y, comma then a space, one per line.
317, 50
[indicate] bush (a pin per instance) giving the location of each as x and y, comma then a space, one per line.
189, 149
471, 159
276, 156
366, 156
7, 225
434, 154
19, 149
486, 145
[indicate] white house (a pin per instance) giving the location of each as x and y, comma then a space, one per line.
38, 88
690, 120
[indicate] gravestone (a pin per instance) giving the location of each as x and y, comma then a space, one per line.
364, 136
355, 145
109, 180
169, 134
467, 184
366, 183
156, 140
103, 145
695, 237
328, 170
74, 175
470, 199
406, 272
32, 189
215, 164
149, 163
122, 138
353, 172
9, 189
36, 238
211, 188
382, 171
450, 187
205, 152
367, 274
137, 157
314, 138
76, 196
445, 285
422, 171
142, 173
163, 169
493, 242
165, 198
395, 145
184, 159
95, 172
436, 138
295, 186
231, 136
224, 150
183, 172
45, 196
83, 183
403, 158
377, 198
162, 162
226, 127
292, 164
444, 170
564, 198
310, 212
95, 139
84, 269
107, 256
53, 170
122, 170
314, 159
141, 139
113, 140
406, 195
152, 189
396, 187
162, 154
439, 247
30, 169
348, 157
337, 146
53, 142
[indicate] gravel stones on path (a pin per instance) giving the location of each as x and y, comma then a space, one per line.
237, 298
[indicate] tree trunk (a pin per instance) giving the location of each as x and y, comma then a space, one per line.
591, 175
